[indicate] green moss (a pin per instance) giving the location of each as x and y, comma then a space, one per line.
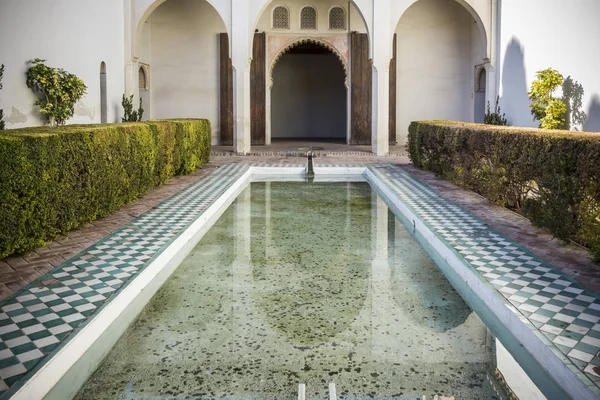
55, 179
550, 176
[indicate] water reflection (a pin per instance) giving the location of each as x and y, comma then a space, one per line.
304, 283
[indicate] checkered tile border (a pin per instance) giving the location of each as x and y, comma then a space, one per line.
42, 317
561, 311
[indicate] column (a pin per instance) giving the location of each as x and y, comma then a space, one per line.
241, 58
131, 65
381, 50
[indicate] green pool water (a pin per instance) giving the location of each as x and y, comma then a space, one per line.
302, 283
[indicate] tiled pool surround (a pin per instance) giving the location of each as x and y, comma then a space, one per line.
46, 327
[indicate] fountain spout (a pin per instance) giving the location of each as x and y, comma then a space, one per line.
310, 173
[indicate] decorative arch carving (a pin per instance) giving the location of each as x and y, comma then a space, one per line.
280, 45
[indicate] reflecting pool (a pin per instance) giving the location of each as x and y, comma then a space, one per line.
303, 283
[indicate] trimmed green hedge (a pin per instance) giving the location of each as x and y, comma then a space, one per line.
55, 179
551, 177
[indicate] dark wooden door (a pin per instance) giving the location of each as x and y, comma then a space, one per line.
360, 89
226, 91
258, 89
393, 62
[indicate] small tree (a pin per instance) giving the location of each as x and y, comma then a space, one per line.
495, 118
544, 107
60, 91
2, 125
131, 115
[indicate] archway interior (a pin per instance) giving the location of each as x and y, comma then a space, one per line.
439, 46
179, 49
308, 98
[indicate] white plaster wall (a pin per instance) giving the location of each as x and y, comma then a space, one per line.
538, 34
145, 60
74, 35
308, 98
435, 69
322, 7
142, 9
184, 76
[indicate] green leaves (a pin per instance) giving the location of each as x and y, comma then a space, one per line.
55, 179
551, 177
131, 115
60, 91
550, 111
495, 118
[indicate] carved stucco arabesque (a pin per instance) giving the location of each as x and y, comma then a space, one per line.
278, 45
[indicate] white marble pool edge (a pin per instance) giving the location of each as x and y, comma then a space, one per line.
65, 373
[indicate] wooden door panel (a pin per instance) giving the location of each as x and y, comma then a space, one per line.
360, 89
226, 92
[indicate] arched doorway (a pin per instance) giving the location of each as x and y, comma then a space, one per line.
178, 51
309, 95
103, 95
439, 43
283, 30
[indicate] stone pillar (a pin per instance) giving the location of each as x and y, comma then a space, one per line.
131, 64
381, 109
241, 58
381, 48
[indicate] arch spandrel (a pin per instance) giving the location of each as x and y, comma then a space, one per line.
258, 7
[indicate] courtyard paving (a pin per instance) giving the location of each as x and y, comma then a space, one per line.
575, 261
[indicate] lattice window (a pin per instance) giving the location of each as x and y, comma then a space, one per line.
337, 18
308, 18
281, 18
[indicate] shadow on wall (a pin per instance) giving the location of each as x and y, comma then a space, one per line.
573, 99
592, 124
514, 100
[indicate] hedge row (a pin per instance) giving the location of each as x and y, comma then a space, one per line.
551, 177
55, 179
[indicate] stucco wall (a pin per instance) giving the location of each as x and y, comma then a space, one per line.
559, 34
435, 70
308, 97
60, 32
184, 70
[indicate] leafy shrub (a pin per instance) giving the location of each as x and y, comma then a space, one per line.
495, 118
53, 180
60, 91
550, 111
552, 177
131, 115
2, 125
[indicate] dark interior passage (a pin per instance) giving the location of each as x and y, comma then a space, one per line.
308, 98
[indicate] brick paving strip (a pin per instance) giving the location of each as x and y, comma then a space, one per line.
575, 261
